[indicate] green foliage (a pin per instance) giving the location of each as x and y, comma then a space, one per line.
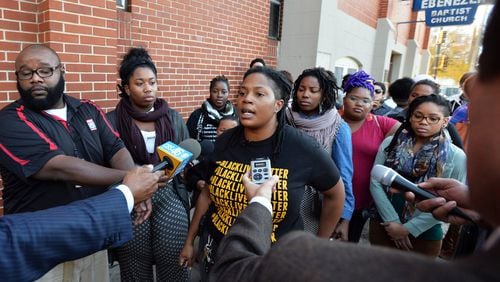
455, 54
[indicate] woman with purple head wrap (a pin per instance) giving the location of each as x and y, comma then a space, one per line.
360, 79
368, 132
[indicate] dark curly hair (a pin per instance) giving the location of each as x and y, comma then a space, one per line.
381, 85
258, 60
135, 58
219, 78
433, 98
436, 89
438, 100
282, 89
327, 83
400, 90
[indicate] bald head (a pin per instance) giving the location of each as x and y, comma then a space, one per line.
39, 51
40, 78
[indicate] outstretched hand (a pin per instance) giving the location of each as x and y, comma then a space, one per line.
265, 189
451, 193
142, 182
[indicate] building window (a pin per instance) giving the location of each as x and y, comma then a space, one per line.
275, 19
122, 4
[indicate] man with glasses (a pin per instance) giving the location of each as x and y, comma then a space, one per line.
55, 149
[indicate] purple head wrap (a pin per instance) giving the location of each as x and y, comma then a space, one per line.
360, 79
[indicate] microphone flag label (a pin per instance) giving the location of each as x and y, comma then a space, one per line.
179, 156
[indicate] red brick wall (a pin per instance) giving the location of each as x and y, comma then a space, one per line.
365, 11
397, 11
191, 41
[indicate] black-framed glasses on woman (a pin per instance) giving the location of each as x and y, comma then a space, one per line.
430, 119
24, 74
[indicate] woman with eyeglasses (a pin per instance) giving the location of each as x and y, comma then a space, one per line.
367, 133
420, 151
427, 87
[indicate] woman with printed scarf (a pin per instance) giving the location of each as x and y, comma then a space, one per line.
203, 122
144, 122
419, 151
313, 112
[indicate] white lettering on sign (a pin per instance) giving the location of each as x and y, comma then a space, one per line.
429, 4
451, 12
451, 19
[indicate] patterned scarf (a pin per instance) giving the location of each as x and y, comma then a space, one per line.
323, 128
213, 114
131, 134
428, 161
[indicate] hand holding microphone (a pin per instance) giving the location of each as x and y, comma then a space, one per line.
447, 189
389, 177
173, 159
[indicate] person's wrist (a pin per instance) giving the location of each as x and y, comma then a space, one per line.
263, 201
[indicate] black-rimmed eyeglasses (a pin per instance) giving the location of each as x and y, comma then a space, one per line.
418, 117
44, 72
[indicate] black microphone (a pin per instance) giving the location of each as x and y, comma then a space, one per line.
388, 177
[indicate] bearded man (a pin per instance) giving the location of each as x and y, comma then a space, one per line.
55, 149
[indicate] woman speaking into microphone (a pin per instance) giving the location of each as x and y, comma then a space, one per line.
297, 159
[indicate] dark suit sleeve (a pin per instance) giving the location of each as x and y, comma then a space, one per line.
245, 255
240, 252
33, 243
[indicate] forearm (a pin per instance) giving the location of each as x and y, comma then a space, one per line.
342, 156
420, 223
384, 206
333, 204
202, 205
78, 171
348, 203
122, 160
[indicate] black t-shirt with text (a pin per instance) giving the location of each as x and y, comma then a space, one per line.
300, 162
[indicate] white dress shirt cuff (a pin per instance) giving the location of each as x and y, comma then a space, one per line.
128, 196
263, 201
